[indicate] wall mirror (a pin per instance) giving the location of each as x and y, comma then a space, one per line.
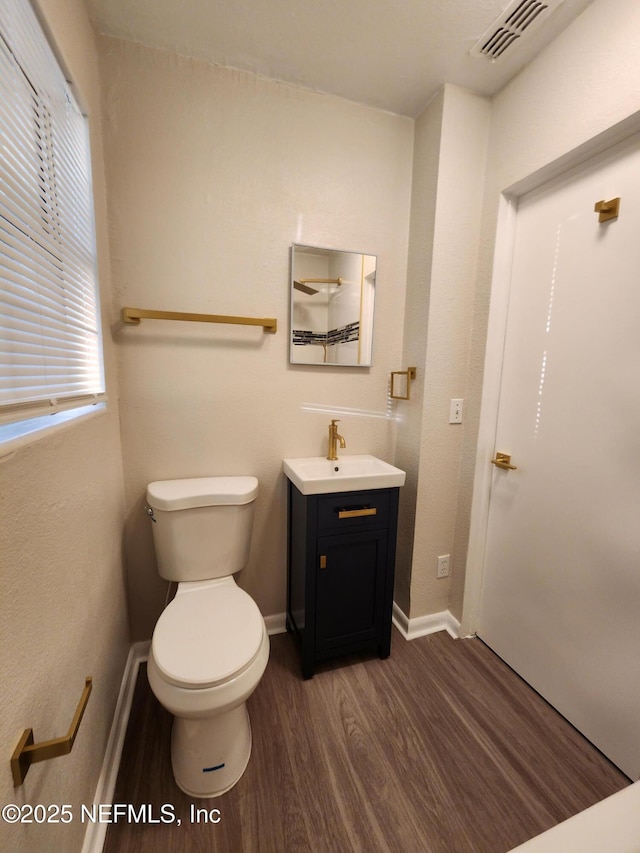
332, 300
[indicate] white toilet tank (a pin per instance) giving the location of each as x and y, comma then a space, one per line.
202, 526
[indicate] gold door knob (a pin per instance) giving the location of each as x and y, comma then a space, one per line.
503, 460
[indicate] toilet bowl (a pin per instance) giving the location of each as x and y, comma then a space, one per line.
210, 646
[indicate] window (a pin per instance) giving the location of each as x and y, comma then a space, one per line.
50, 344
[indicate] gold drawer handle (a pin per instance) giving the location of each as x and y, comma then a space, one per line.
356, 513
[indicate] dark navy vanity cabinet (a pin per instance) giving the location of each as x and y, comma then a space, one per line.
341, 562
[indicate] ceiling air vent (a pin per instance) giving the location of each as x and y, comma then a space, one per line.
520, 18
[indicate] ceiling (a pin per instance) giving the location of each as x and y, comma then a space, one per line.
390, 54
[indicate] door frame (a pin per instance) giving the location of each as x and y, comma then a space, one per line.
494, 351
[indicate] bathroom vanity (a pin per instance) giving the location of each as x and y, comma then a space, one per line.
341, 562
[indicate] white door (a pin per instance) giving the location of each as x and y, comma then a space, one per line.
561, 589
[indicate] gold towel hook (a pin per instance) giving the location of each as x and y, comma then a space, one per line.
27, 752
607, 209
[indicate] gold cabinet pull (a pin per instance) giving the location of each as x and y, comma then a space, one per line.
503, 460
356, 513
323, 561
27, 752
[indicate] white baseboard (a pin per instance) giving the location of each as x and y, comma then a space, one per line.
409, 628
423, 625
276, 624
95, 835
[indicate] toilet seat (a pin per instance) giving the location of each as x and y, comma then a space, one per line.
211, 632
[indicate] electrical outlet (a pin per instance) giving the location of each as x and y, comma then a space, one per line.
444, 566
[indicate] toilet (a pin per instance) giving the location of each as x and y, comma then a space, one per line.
210, 646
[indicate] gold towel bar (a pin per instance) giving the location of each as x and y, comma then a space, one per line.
27, 752
134, 315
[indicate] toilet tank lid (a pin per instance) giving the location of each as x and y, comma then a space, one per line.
170, 495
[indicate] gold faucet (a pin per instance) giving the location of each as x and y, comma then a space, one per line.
334, 438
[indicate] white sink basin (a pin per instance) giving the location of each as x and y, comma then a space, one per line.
315, 475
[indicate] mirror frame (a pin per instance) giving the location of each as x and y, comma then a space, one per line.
327, 281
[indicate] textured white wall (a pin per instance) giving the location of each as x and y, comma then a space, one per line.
64, 613
426, 159
212, 175
450, 154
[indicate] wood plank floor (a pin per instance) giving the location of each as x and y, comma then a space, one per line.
439, 749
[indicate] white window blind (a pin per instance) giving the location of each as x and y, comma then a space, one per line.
50, 344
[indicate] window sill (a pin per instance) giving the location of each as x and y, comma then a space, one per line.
16, 435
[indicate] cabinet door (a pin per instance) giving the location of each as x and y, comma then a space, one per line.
350, 588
